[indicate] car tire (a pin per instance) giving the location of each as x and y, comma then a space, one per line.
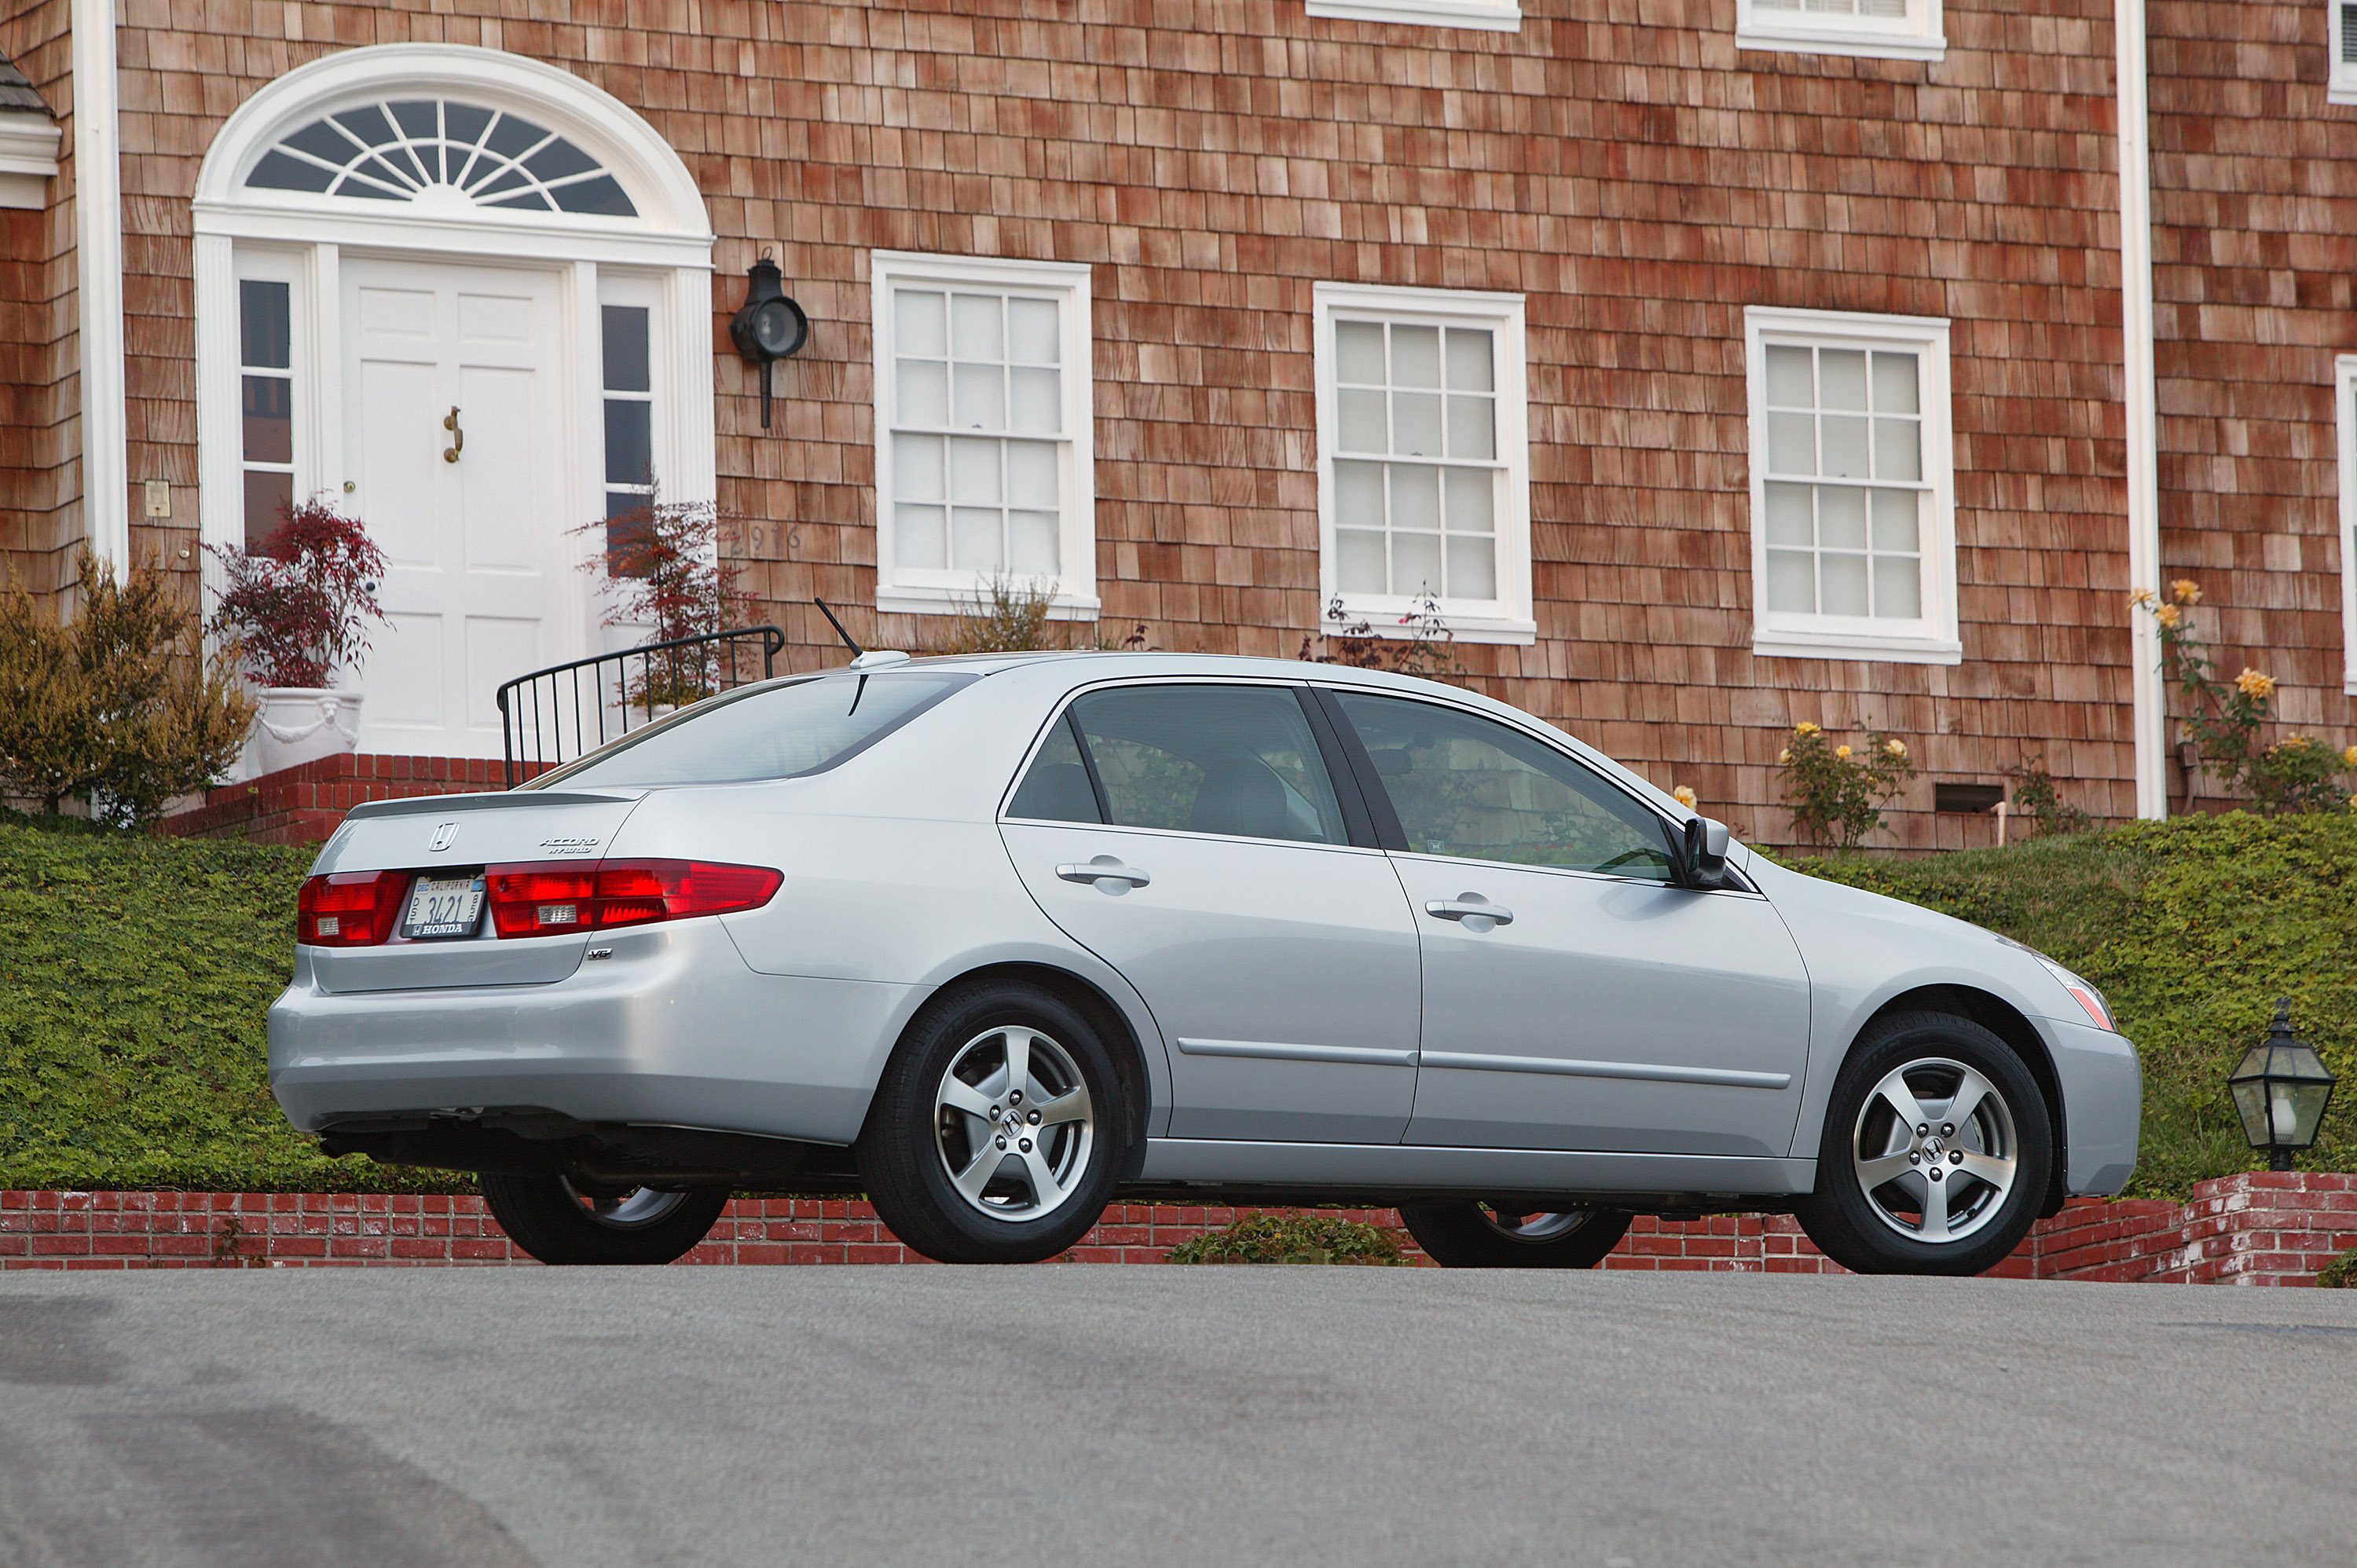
967, 1166
557, 1222
1957, 1194
1480, 1236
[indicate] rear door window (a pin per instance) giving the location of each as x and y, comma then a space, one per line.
1240, 761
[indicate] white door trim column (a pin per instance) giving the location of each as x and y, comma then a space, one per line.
2151, 716
98, 256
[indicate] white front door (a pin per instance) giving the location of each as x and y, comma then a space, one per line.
456, 459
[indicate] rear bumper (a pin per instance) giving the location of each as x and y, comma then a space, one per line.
673, 1029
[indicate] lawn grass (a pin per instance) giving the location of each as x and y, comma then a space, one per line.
135, 974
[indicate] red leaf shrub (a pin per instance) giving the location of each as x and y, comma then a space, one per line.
300, 606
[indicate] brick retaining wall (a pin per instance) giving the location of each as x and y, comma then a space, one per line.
2254, 1229
304, 804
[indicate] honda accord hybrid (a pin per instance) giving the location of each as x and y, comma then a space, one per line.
995, 940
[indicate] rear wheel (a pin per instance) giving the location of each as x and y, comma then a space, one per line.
559, 1222
1494, 1236
995, 1131
1937, 1152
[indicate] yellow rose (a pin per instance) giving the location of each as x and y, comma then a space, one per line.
1804, 727
1784, 756
1841, 751
2255, 685
2350, 757
2141, 597
1895, 747
2168, 615
1686, 796
2186, 591
2296, 743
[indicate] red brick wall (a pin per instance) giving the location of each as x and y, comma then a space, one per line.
1632, 172
2258, 1228
304, 804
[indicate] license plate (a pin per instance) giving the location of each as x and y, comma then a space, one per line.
444, 906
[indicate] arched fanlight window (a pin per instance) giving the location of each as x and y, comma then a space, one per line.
394, 151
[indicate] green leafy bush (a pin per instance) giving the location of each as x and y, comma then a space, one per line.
1293, 1239
2340, 1274
1838, 793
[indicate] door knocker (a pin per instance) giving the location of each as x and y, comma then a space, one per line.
458, 438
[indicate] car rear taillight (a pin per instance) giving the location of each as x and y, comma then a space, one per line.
349, 908
552, 899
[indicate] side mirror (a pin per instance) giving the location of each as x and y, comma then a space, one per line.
1703, 863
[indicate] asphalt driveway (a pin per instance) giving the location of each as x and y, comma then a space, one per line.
1074, 1415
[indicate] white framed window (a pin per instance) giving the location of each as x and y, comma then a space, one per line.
2340, 86
1879, 29
1853, 487
2344, 406
1490, 15
984, 463
273, 309
634, 398
1424, 458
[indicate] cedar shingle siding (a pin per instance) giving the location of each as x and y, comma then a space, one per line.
1623, 165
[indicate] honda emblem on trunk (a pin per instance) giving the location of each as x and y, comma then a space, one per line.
445, 835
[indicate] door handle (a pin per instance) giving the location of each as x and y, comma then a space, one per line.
1107, 873
458, 437
1469, 906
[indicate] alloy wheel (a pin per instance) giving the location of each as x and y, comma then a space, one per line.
1935, 1150
1533, 1229
1014, 1123
630, 1210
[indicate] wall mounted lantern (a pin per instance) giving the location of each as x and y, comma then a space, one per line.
2281, 1091
770, 326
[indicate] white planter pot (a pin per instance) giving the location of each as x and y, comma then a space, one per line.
298, 725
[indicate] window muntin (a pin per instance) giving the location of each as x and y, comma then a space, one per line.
396, 151
1417, 471
1897, 29
1237, 761
630, 471
2340, 85
770, 731
1845, 491
1472, 788
266, 396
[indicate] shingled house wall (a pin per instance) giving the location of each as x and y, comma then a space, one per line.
1622, 165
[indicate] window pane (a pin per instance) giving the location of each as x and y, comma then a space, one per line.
629, 535
1416, 563
1358, 495
1037, 398
630, 449
1844, 447
1360, 563
1416, 357
1894, 383
765, 732
269, 419
1031, 546
916, 473
1789, 382
1032, 474
919, 537
264, 330
1841, 585
1472, 568
1792, 444
1237, 761
1472, 494
981, 397
1470, 361
924, 388
1415, 424
1361, 421
973, 471
1841, 380
1474, 788
1415, 496
973, 540
916, 323
1897, 449
1897, 587
1359, 352
1840, 516
267, 497
975, 327
1788, 516
1471, 429
1897, 520
1793, 581
1055, 789
625, 348
1031, 331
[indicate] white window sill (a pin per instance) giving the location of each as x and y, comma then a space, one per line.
28, 158
1383, 620
916, 599
1422, 13
2341, 89
1801, 37
1782, 642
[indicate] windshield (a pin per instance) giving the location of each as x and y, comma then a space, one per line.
765, 732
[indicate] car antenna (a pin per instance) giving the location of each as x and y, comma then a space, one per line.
856, 649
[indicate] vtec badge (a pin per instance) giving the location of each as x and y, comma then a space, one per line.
570, 846
445, 835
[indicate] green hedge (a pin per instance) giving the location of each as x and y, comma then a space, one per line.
134, 974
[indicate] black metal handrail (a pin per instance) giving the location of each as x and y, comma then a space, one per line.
565, 711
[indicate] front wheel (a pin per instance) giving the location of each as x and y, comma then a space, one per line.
995, 1132
1937, 1152
558, 1222
1491, 1236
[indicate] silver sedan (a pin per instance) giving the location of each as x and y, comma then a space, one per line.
995, 940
